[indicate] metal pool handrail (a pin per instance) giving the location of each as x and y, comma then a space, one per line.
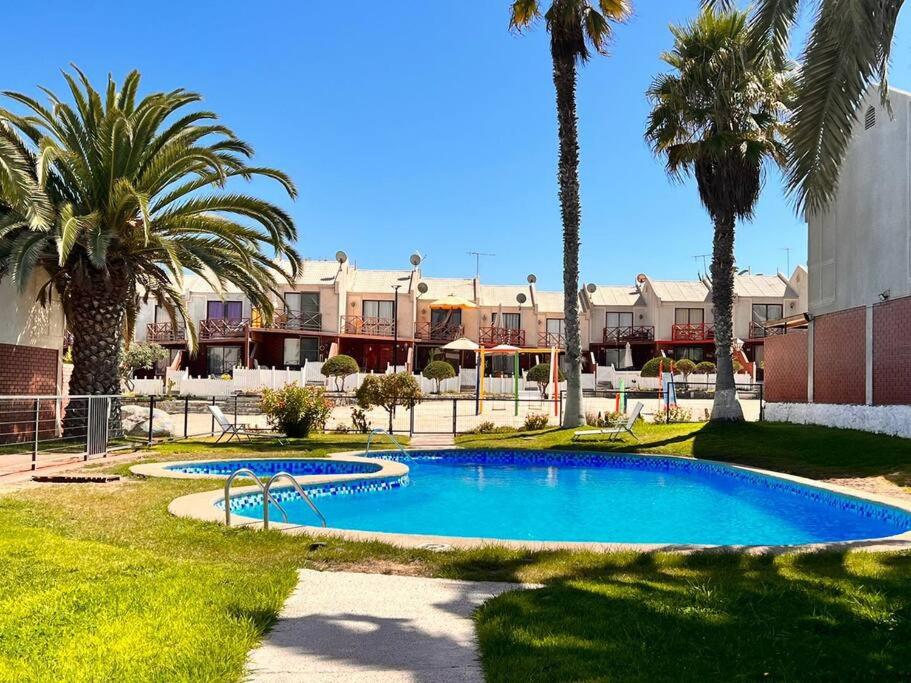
391, 436
303, 494
266, 496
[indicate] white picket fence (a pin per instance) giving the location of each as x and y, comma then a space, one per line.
633, 380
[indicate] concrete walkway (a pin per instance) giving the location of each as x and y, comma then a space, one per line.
341, 626
432, 441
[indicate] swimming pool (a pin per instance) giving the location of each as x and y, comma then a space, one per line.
546, 496
268, 467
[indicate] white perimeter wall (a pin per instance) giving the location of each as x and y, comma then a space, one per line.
892, 420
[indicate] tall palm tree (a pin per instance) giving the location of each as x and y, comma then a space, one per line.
719, 116
848, 50
113, 198
576, 27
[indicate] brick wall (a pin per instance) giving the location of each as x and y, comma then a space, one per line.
839, 357
26, 370
892, 352
785, 374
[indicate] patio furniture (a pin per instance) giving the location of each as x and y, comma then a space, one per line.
614, 432
238, 430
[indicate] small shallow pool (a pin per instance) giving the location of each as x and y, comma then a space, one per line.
266, 468
546, 496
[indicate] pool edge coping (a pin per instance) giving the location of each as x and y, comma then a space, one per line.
202, 507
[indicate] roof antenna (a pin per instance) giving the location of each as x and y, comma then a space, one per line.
477, 261
704, 267
787, 250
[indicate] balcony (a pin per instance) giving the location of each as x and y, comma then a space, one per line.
760, 331
374, 327
312, 322
165, 332
552, 339
441, 332
693, 332
494, 336
628, 333
219, 328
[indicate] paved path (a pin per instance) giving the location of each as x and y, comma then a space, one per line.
432, 441
342, 626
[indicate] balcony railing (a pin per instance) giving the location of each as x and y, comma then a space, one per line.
165, 332
444, 332
494, 336
692, 332
552, 339
358, 324
296, 321
628, 333
760, 331
219, 328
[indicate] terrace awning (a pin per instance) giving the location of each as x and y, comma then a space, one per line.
452, 302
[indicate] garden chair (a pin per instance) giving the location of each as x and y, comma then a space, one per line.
238, 430
614, 432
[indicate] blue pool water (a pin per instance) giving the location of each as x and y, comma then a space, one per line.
588, 497
266, 468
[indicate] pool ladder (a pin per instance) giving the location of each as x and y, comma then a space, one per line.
391, 436
268, 497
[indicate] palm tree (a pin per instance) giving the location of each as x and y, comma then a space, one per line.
719, 115
113, 198
848, 50
576, 27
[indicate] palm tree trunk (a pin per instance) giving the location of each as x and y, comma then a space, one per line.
570, 210
725, 406
98, 305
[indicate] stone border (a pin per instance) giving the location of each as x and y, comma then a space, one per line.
202, 506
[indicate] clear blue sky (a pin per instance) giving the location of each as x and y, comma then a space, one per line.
419, 124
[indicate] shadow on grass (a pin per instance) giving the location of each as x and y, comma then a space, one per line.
825, 616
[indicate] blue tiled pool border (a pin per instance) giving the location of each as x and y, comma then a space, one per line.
269, 466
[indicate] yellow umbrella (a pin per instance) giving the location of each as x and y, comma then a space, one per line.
451, 302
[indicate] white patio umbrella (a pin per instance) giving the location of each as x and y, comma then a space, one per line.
461, 344
504, 347
628, 356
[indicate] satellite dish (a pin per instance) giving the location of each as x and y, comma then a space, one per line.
532, 279
521, 298
591, 287
422, 287
640, 278
341, 256
416, 259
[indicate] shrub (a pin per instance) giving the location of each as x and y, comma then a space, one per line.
738, 366
540, 374
359, 421
438, 370
339, 367
706, 367
672, 414
490, 428
650, 369
140, 356
535, 421
604, 419
685, 367
388, 392
296, 410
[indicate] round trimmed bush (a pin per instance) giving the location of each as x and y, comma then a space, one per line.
650, 369
438, 370
706, 367
541, 375
685, 367
339, 367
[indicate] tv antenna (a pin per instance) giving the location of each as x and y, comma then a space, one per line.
477, 261
787, 251
705, 270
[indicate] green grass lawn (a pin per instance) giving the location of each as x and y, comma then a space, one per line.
99, 582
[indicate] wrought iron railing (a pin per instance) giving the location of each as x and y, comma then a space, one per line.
694, 332
165, 332
628, 333
358, 324
219, 328
552, 339
444, 332
760, 331
493, 336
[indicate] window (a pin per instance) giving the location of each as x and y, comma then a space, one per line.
221, 360
510, 321
694, 353
617, 319
689, 316
870, 118
377, 309
765, 312
614, 357
440, 317
556, 326
224, 310
302, 309
299, 351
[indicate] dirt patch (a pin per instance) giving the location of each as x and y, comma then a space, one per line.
879, 485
